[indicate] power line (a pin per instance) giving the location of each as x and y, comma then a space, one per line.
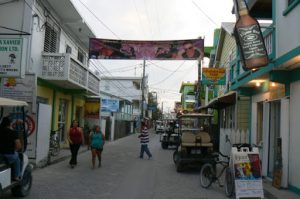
169, 75
139, 16
106, 26
208, 17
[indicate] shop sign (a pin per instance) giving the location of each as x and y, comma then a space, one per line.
247, 175
213, 76
10, 57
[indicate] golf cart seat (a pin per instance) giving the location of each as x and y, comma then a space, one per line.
3, 163
201, 139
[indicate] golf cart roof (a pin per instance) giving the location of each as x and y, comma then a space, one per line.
195, 115
11, 102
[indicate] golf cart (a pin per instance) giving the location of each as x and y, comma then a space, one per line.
159, 127
171, 136
15, 110
195, 147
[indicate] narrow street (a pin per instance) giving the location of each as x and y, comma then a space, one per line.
122, 175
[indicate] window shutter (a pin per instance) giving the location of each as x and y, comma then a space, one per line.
51, 39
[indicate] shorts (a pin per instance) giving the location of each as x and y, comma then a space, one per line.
97, 149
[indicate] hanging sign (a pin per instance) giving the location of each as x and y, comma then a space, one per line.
213, 76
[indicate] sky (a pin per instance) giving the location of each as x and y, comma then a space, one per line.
155, 20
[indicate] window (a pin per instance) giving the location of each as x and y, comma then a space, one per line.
80, 55
68, 49
51, 39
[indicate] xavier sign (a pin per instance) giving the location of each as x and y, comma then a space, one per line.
11, 57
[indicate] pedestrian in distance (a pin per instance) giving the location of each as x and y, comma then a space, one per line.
144, 140
76, 138
9, 145
97, 140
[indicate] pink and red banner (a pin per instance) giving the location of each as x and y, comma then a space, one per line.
155, 50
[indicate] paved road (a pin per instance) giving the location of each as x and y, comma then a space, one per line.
122, 175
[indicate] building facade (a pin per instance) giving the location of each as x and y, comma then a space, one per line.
271, 92
57, 77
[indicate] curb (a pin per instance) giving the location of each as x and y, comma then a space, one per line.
64, 158
269, 195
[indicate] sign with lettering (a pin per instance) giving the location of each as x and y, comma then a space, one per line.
251, 42
213, 76
19, 89
247, 174
10, 57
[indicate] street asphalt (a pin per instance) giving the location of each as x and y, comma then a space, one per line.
122, 175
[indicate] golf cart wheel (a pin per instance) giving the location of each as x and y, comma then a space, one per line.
164, 145
229, 183
207, 174
177, 161
24, 187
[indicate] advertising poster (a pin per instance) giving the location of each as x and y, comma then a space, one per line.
247, 173
215, 76
10, 57
109, 105
155, 50
18, 89
92, 109
16, 115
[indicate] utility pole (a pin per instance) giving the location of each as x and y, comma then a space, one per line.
162, 110
143, 90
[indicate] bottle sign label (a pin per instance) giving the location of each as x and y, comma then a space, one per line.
251, 42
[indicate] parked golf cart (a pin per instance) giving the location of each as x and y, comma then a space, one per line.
171, 136
15, 109
159, 127
196, 145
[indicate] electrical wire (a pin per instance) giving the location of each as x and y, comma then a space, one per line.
169, 75
106, 26
208, 17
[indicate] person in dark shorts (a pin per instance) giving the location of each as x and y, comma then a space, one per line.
97, 140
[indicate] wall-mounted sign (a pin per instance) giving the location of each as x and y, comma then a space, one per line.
19, 89
109, 105
192, 49
213, 76
10, 57
91, 108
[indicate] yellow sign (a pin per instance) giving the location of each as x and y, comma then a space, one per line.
213, 76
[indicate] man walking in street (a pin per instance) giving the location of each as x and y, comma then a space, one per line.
144, 139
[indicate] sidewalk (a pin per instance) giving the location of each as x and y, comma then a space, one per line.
65, 154
274, 193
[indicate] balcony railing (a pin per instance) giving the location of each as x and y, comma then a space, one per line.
62, 70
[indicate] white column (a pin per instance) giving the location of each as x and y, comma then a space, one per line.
285, 134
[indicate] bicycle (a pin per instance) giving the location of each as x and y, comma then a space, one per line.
54, 146
209, 175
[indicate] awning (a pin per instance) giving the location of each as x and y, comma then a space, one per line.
222, 101
11, 102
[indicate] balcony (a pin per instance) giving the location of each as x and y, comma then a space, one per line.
65, 72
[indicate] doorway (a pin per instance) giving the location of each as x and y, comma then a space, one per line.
62, 118
275, 107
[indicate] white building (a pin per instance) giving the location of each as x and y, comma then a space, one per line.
129, 88
54, 77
